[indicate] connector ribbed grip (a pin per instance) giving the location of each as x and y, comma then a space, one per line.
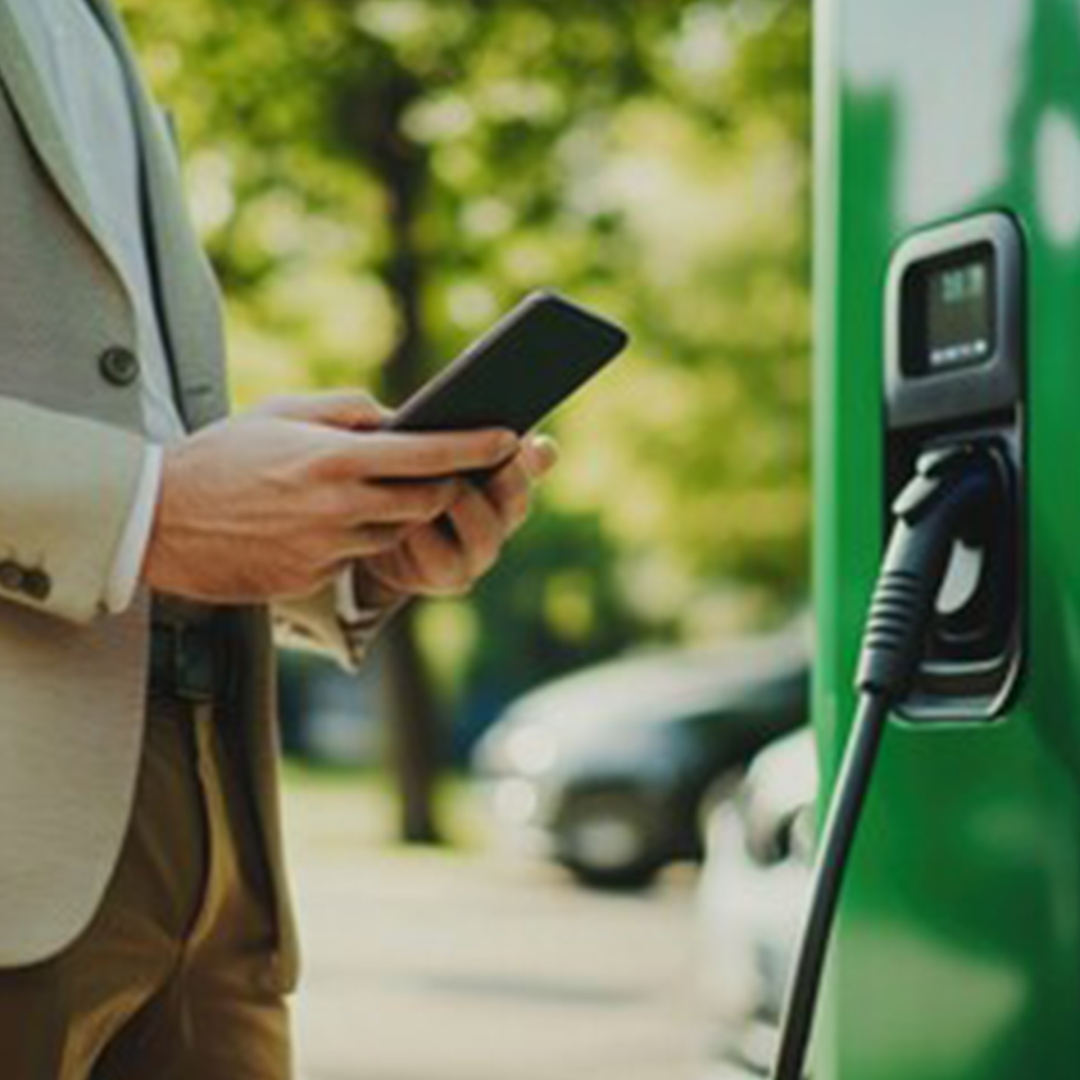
932, 510
890, 646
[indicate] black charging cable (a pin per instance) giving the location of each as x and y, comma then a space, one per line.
951, 489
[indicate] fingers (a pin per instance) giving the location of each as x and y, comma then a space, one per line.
438, 561
405, 502
392, 455
480, 531
510, 488
442, 535
509, 491
349, 409
366, 540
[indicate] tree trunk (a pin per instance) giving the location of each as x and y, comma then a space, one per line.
414, 731
412, 704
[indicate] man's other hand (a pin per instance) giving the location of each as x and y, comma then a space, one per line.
273, 503
447, 556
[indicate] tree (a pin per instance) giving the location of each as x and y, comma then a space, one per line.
376, 181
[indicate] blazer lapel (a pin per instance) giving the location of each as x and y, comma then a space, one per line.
20, 79
191, 302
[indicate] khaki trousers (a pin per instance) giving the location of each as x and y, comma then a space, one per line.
173, 979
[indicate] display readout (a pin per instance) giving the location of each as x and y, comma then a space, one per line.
960, 311
949, 316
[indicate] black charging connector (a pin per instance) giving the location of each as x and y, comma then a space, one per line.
951, 487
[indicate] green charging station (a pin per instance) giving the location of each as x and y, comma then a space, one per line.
947, 279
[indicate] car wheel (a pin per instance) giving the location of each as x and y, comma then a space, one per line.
608, 841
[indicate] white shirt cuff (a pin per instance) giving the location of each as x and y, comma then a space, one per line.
348, 610
130, 555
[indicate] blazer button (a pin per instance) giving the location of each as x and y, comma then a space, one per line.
119, 366
12, 577
37, 584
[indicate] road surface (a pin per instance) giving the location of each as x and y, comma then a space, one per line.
480, 967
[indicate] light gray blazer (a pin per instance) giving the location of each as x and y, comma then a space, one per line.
72, 679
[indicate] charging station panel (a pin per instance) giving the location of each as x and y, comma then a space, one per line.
954, 374
957, 956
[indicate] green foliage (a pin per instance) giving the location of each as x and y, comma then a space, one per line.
649, 158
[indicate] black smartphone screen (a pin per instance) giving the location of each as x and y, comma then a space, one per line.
512, 377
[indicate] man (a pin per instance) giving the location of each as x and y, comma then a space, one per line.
144, 920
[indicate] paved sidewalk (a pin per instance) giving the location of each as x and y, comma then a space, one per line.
464, 967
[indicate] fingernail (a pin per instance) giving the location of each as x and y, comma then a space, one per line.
508, 443
547, 450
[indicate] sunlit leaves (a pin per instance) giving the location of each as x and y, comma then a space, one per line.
649, 158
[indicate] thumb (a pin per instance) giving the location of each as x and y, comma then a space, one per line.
348, 409
539, 455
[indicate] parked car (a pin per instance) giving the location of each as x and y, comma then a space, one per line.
606, 770
327, 716
751, 902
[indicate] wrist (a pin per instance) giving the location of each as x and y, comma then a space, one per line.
158, 563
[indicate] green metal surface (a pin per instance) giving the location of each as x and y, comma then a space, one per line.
958, 956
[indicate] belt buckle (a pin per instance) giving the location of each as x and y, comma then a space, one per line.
195, 664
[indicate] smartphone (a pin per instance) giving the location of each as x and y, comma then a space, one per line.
531, 360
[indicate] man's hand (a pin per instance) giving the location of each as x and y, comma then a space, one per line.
447, 556
272, 504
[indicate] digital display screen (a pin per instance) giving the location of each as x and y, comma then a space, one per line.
950, 317
960, 313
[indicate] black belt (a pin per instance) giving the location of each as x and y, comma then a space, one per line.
190, 659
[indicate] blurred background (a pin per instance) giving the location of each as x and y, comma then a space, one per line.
557, 830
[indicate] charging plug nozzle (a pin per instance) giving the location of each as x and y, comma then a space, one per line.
952, 488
